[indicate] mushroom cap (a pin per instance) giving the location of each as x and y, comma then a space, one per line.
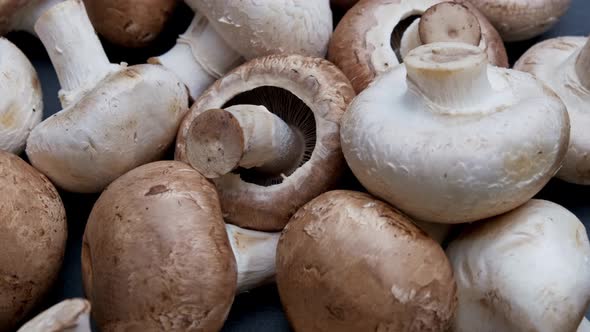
348, 262
130, 118
21, 99
518, 20
130, 23
259, 28
33, 234
553, 62
69, 315
361, 44
527, 270
8, 10
441, 165
326, 91
156, 255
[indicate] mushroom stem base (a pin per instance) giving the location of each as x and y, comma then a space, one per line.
583, 65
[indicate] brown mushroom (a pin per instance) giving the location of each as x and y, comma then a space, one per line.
348, 262
157, 255
67, 316
310, 96
33, 236
130, 23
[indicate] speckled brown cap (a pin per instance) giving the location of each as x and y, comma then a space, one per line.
348, 262
156, 256
33, 233
325, 91
8, 10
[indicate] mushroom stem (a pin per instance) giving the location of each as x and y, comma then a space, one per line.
73, 46
199, 57
583, 65
452, 76
245, 136
255, 254
71, 315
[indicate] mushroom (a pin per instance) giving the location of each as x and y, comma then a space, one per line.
33, 234
563, 64
21, 103
518, 20
130, 23
348, 262
308, 96
21, 15
372, 37
157, 255
114, 117
448, 138
527, 270
584, 326
67, 316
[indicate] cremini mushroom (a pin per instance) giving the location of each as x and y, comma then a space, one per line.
33, 234
564, 65
448, 138
21, 15
522, 19
71, 315
114, 117
348, 262
21, 100
157, 255
527, 270
375, 35
231, 125
130, 23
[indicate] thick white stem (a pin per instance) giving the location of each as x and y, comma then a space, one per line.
583, 65
584, 326
255, 254
73, 47
199, 57
26, 18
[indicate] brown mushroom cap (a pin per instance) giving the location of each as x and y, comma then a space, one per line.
68, 315
348, 262
130, 23
8, 8
156, 255
325, 91
33, 234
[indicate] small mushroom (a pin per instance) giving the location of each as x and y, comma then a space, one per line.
130, 23
21, 15
21, 100
448, 138
348, 262
33, 234
67, 316
563, 64
114, 117
157, 255
375, 35
308, 97
518, 20
527, 270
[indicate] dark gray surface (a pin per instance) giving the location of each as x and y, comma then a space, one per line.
258, 310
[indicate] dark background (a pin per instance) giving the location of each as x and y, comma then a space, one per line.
259, 310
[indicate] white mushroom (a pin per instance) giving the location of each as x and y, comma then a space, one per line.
448, 138
114, 118
564, 65
67, 316
527, 270
21, 99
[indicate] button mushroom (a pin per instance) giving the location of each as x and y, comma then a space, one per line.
114, 118
130, 23
527, 270
347, 262
303, 160
21, 15
21, 102
33, 234
157, 255
564, 65
67, 316
448, 138
522, 19
375, 35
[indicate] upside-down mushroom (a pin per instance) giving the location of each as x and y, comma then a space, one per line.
67, 316
228, 126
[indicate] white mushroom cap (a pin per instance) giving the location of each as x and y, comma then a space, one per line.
448, 138
67, 316
21, 99
527, 270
